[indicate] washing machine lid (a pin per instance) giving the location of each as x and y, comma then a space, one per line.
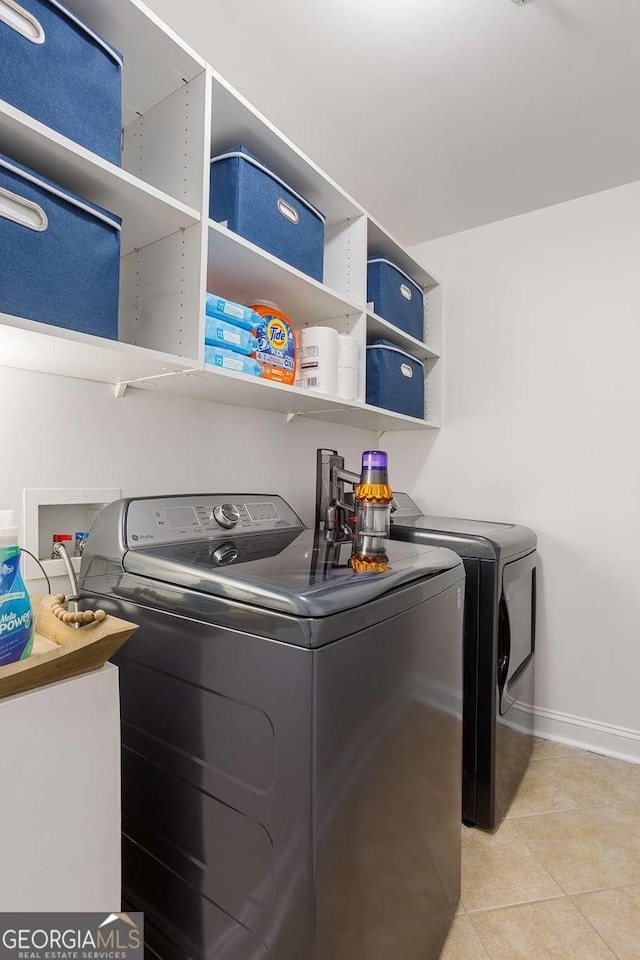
482, 539
299, 573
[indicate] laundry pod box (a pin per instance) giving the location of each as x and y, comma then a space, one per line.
276, 351
221, 333
231, 360
60, 254
395, 379
396, 296
56, 69
262, 208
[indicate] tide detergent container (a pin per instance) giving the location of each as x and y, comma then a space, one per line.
16, 615
276, 352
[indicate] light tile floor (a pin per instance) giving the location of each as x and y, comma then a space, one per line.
560, 879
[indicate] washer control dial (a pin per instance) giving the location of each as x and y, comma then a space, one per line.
226, 514
224, 554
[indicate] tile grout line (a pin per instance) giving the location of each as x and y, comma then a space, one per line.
520, 903
560, 787
533, 854
562, 896
523, 840
514, 906
593, 927
556, 786
613, 764
480, 940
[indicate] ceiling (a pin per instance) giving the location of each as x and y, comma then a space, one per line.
438, 115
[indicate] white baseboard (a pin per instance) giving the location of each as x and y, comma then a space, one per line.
604, 738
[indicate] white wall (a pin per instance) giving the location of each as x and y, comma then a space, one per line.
541, 426
59, 432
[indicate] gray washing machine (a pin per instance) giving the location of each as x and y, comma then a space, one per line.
291, 731
499, 650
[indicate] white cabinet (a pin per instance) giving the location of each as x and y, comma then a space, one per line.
60, 796
177, 113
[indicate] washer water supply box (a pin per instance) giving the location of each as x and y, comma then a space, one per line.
260, 206
396, 297
395, 379
56, 69
60, 254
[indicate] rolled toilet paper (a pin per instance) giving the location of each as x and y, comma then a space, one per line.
319, 359
348, 360
348, 383
348, 351
298, 380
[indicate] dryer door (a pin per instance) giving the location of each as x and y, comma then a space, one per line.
517, 628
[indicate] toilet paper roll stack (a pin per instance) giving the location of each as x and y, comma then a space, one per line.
328, 362
319, 359
348, 359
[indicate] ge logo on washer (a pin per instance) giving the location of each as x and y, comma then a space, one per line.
406, 370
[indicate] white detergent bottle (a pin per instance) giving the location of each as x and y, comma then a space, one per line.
16, 615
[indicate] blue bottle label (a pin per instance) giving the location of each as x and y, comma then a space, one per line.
16, 616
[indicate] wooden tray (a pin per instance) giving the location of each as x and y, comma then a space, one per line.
61, 651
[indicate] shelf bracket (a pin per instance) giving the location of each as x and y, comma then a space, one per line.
380, 434
120, 388
309, 413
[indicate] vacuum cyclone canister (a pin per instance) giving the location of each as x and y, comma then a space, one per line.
373, 505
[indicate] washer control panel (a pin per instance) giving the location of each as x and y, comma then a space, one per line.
160, 520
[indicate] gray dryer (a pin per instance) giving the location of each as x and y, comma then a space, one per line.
499, 650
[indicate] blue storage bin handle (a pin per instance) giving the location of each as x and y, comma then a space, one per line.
67, 197
405, 291
21, 21
387, 345
288, 212
23, 212
252, 160
398, 270
24, 23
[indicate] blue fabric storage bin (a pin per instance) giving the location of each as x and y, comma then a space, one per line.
396, 297
263, 209
57, 70
59, 255
395, 379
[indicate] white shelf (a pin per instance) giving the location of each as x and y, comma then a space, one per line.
239, 390
29, 345
26, 345
235, 121
156, 61
241, 271
378, 327
177, 113
381, 242
368, 417
148, 214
